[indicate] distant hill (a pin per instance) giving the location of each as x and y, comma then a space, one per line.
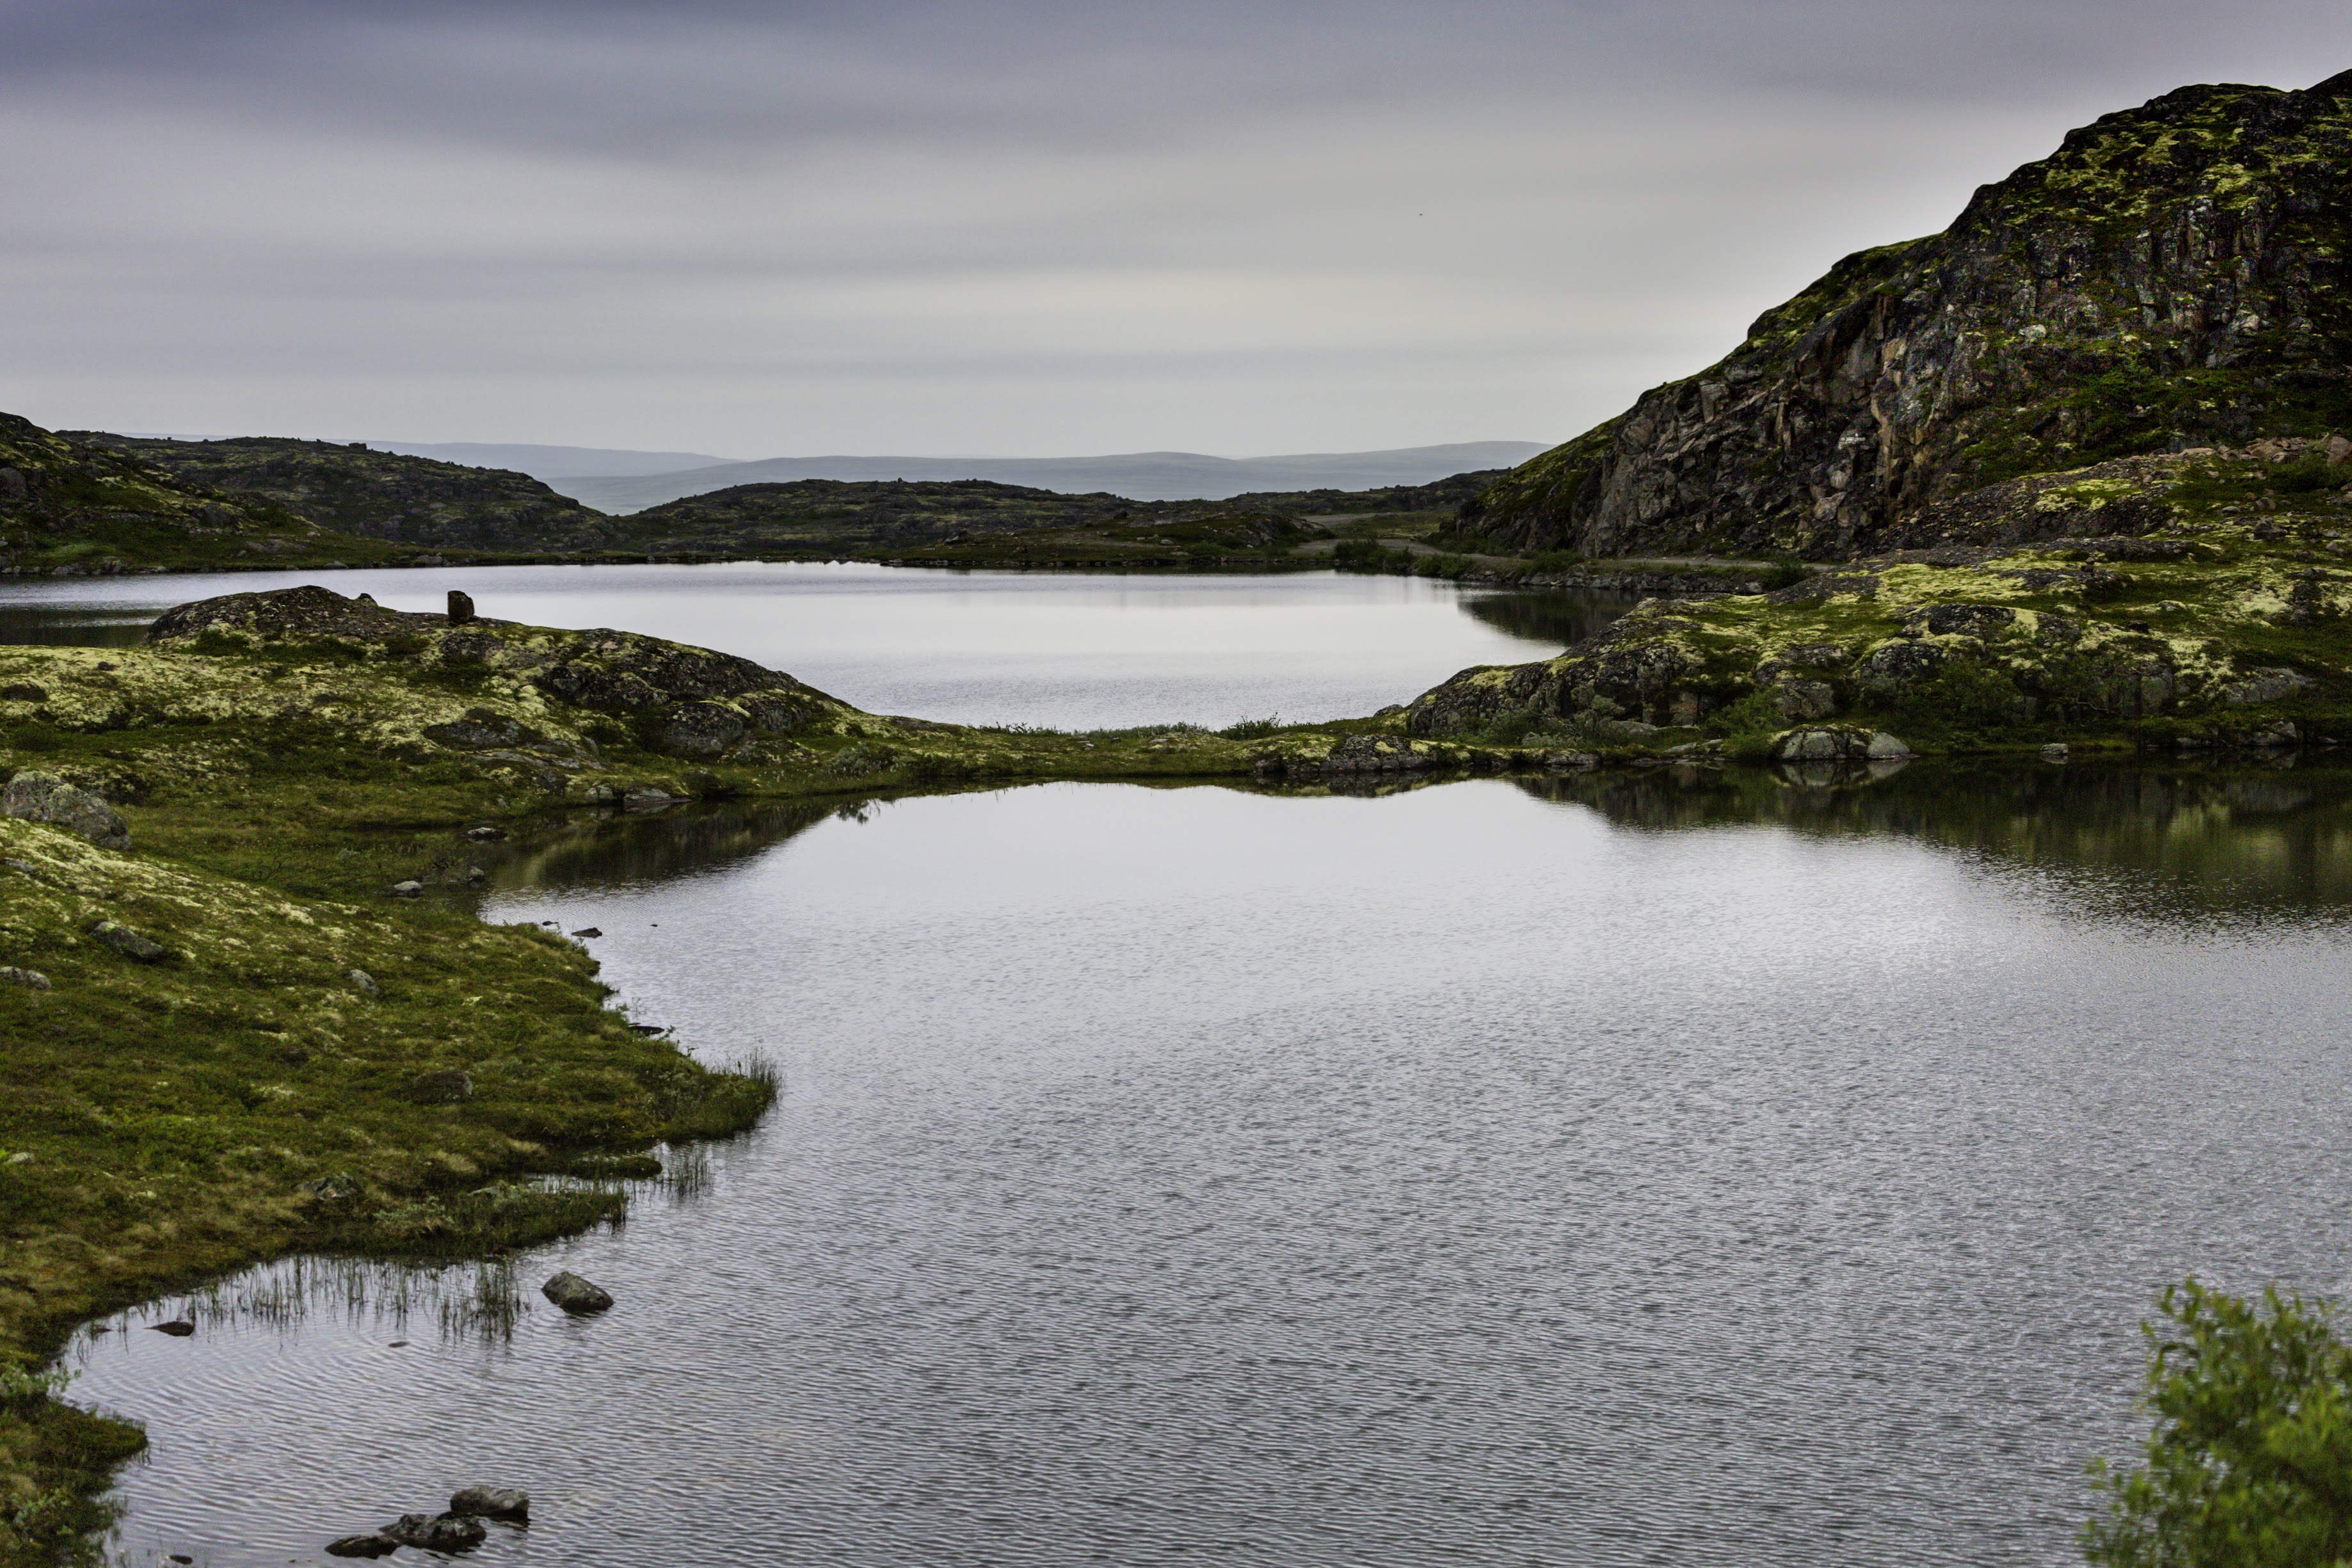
884, 519
73, 506
356, 489
1137, 476
554, 462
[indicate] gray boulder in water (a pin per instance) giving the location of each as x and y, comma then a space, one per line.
574, 1295
375, 1543
45, 797
493, 1503
448, 1532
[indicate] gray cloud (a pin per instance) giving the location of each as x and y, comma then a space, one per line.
907, 226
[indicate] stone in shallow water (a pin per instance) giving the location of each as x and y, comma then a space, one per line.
375, 1543
574, 1295
493, 1503
448, 1532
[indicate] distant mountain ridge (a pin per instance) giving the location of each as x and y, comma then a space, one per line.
544, 463
1137, 476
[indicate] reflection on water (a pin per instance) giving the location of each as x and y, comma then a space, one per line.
1604, 1170
43, 625
2172, 836
1067, 650
1564, 616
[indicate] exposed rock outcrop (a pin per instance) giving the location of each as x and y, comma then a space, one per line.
45, 797
2173, 276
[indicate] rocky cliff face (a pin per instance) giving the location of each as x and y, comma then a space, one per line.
2174, 276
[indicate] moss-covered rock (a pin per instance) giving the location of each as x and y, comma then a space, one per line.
2215, 614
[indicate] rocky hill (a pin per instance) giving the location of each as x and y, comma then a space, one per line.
2173, 277
383, 495
70, 506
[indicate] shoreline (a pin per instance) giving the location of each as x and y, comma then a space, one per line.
286, 763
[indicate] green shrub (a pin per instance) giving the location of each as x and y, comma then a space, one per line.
2250, 1465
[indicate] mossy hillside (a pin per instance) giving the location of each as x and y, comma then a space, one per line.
72, 507
248, 1094
386, 496
2172, 276
2220, 626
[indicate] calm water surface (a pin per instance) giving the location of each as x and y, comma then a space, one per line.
1064, 650
1623, 1171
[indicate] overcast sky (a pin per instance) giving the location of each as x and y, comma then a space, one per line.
757, 229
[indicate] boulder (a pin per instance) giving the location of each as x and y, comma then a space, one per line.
461, 607
1802, 699
364, 982
493, 1503
128, 942
2055, 752
45, 797
1885, 747
2264, 686
700, 729
32, 979
409, 889
575, 1295
375, 1543
1375, 753
477, 730
429, 1533
447, 1087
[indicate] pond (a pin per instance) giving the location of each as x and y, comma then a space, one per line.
1060, 650
1664, 1168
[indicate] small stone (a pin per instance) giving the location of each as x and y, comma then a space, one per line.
461, 607
486, 834
128, 942
364, 982
476, 876
493, 1503
375, 1543
409, 889
178, 1328
45, 797
449, 1533
32, 979
588, 931
574, 1295
2055, 752
444, 1088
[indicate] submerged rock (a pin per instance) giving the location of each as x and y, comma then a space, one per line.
429, 1533
575, 1295
178, 1328
375, 1543
493, 1503
45, 797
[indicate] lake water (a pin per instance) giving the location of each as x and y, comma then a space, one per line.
1062, 650
1669, 1168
